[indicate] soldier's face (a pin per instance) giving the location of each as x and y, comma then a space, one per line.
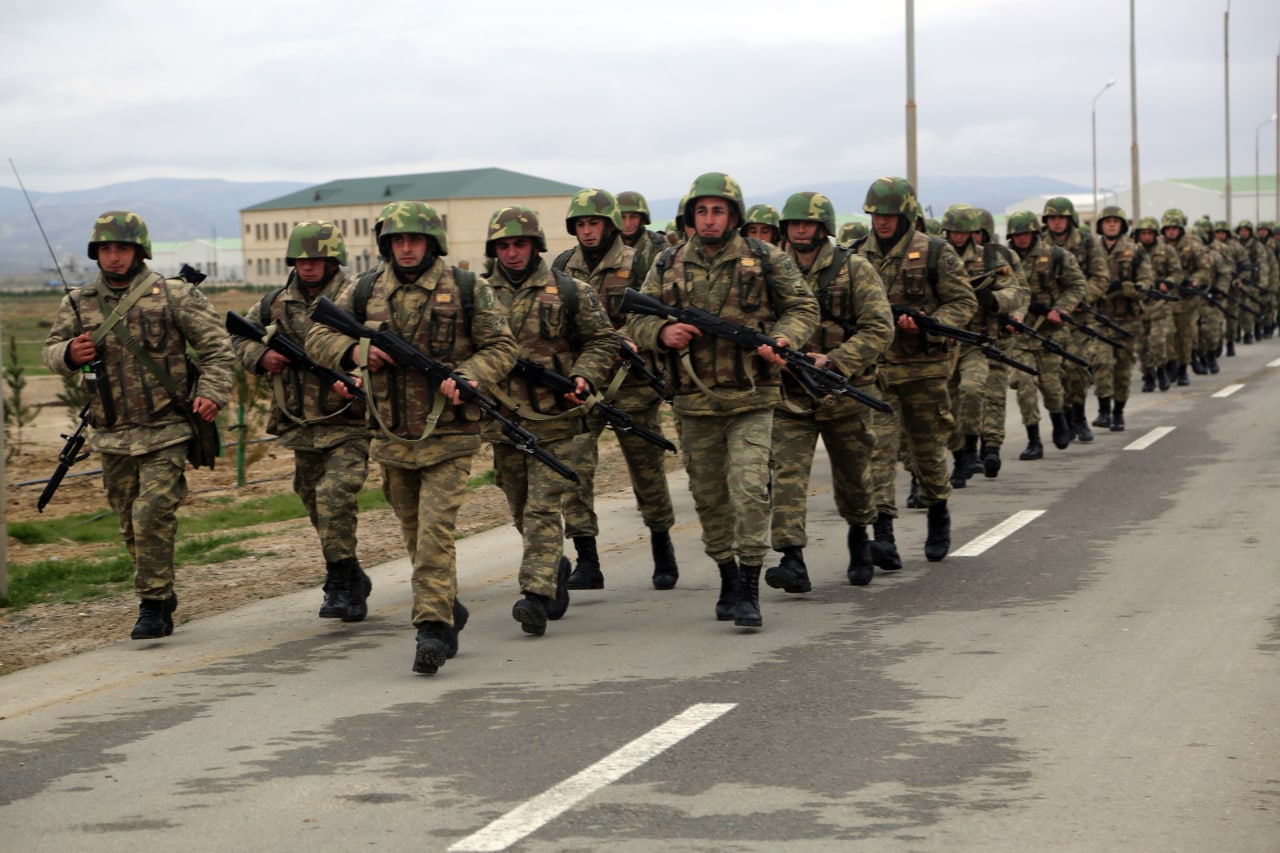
959, 238
1023, 240
803, 232
514, 253
884, 224
1110, 227
1244, 233
1146, 237
408, 250
590, 230
760, 231
1056, 224
1172, 233
713, 217
116, 258
631, 223
310, 270
1220, 236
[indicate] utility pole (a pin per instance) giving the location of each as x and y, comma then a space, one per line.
1133, 116
1226, 99
912, 176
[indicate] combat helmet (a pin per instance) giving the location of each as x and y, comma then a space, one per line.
1060, 206
679, 222
411, 217
119, 226
892, 196
1221, 225
1112, 211
851, 231
592, 202
1175, 217
1245, 223
810, 207
1022, 222
630, 201
962, 218
1146, 223
933, 227
515, 221
763, 214
314, 239
714, 185
987, 223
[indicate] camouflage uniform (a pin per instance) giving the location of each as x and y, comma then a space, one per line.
1261, 278
724, 418
1195, 275
1156, 346
855, 328
1128, 272
647, 244
996, 394
851, 231
766, 215
137, 429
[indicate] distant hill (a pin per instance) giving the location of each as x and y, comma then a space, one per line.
174, 208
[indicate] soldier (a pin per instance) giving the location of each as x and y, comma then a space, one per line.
996, 395
1056, 285
1239, 320
425, 436
1195, 275
133, 329
1259, 278
635, 231
1062, 227
923, 273
762, 223
328, 435
1157, 317
559, 324
997, 294
1129, 273
603, 260
852, 231
1214, 311
855, 328
724, 396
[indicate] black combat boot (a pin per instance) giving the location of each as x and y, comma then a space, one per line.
1035, 450
334, 605
665, 570
1061, 433
991, 460
913, 494
531, 613
1197, 362
556, 607
727, 603
461, 615
884, 550
958, 475
432, 647
1103, 419
1231, 349
1248, 338
861, 568
1148, 381
1082, 431
1162, 378
1117, 417
1183, 378
1211, 362
747, 612
974, 457
937, 541
170, 605
150, 624
358, 588
790, 575
586, 574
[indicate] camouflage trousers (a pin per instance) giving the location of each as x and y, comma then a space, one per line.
145, 492
968, 389
727, 459
995, 403
845, 427
1236, 323
646, 465
922, 417
1113, 379
579, 501
426, 502
1212, 325
329, 480
535, 495
1048, 383
1156, 344
1184, 335
1076, 379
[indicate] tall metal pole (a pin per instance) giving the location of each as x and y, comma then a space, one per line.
1257, 176
1093, 119
911, 97
1278, 139
1226, 99
1133, 117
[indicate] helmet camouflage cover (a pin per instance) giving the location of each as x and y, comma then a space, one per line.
810, 207
1244, 223
892, 195
1174, 217
1221, 225
1061, 206
119, 226
516, 221
933, 226
411, 217
1022, 222
1147, 223
630, 201
713, 185
313, 239
986, 222
592, 202
853, 231
962, 218
762, 214
1112, 211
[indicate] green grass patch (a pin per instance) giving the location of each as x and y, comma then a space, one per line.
82, 528
486, 478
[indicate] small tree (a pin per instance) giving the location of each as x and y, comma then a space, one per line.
72, 396
17, 413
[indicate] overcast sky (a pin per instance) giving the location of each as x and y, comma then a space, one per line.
642, 95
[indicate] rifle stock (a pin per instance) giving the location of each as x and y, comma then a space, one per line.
72, 452
243, 327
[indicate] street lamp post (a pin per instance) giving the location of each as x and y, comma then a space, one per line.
1257, 177
1093, 119
1226, 97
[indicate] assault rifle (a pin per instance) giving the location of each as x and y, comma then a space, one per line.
1105, 320
72, 452
1157, 293
981, 340
636, 364
1238, 301
1001, 271
1188, 290
618, 420
1049, 344
243, 327
1092, 333
409, 357
818, 381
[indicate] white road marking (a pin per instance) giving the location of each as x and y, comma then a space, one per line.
1229, 390
1275, 362
1010, 525
1149, 439
547, 806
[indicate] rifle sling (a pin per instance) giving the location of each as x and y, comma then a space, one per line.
362, 362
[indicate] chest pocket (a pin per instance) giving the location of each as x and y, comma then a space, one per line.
152, 326
612, 289
551, 315
750, 285
442, 327
914, 277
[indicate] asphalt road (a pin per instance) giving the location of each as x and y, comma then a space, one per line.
1104, 677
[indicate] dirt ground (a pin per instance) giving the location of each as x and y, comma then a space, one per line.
286, 561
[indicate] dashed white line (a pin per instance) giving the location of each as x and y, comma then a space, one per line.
1229, 390
1275, 362
1149, 439
1005, 528
535, 813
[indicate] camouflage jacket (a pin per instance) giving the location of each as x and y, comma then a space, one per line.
752, 284
1090, 258
131, 412
326, 419
949, 299
572, 337
1130, 265
1267, 274
649, 245
1054, 281
1222, 261
1234, 254
1010, 291
430, 315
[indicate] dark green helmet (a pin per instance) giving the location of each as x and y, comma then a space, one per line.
1061, 206
1221, 225
1174, 217
517, 221
987, 223
933, 227
1112, 211
1244, 223
411, 217
679, 222
314, 239
853, 231
630, 201
119, 226
714, 185
762, 214
890, 196
1147, 223
961, 218
1267, 226
592, 202
810, 207
1022, 222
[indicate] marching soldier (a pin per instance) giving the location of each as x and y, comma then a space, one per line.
1129, 273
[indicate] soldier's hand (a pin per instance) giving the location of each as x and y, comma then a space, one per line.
205, 409
907, 324
82, 349
678, 335
340, 388
379, 359
819, 359
1053, 317
273, 362
453, 392
1017, 318
581, 391
770, 353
